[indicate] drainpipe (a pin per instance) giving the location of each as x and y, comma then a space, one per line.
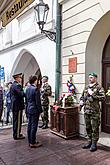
58, 52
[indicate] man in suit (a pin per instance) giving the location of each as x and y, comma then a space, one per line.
17, 105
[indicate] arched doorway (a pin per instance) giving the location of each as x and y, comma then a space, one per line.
26, 64
98, 60
106, 84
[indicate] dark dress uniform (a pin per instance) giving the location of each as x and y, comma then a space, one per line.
17, 106
33, 109
45, 93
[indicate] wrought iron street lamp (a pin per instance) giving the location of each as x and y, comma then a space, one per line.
42, 10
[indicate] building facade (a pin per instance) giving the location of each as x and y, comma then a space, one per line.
85, 40
24, 49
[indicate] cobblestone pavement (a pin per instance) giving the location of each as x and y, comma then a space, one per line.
55, 151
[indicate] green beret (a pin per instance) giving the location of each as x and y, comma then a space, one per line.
93, 74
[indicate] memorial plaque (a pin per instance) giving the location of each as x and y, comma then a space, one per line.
73, 65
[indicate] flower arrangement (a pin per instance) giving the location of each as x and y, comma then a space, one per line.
67, 100
71, 86
59, 102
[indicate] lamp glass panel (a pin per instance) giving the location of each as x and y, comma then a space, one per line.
41, 13
45, 16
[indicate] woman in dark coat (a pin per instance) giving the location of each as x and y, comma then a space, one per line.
33, 109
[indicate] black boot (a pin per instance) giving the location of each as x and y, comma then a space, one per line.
88, 145
93, 146
41, 125
45, 126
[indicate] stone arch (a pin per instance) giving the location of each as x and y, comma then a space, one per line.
95, 45
25, 63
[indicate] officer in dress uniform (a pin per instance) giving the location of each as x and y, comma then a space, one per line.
91, 96
46, 91
17, 105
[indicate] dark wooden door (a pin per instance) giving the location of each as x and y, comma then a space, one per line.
106, 104
105, 124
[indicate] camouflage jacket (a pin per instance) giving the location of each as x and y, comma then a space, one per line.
91, 102
46, 91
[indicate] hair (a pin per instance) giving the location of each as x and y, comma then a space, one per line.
32, 79
9, 83
45, 77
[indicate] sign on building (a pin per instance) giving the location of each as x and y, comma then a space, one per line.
72, 65
14, 10
2, 73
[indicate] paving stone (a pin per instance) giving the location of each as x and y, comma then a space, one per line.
55, 151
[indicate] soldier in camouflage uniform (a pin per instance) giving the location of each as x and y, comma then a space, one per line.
91, 96
45, 93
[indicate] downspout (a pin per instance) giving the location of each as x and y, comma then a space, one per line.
58, 52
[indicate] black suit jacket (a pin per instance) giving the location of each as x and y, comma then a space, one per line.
17, 96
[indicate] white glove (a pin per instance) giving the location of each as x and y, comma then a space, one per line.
42, 114
81, 103
90, 91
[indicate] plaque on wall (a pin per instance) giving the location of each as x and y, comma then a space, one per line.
72, 65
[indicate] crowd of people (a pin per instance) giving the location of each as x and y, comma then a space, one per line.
35, 100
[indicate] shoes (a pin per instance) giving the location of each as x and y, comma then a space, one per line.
20, 137
6, 123
45, 127
93, 147
86, 146
37, 144
41, 125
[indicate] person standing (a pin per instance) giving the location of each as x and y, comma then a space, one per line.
91, 96
1, 103
8, 102
46, 91
17, 105
33, 109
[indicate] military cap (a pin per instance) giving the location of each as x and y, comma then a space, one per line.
45, 77
17, 75
93, 74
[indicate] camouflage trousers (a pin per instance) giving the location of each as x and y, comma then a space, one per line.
44, 115
92, 122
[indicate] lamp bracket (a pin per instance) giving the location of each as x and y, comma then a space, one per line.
51, 35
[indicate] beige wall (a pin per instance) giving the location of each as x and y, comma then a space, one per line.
95, 45
85, 28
